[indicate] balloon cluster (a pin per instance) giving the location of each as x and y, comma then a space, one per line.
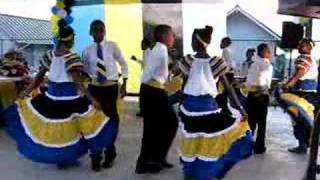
61, 15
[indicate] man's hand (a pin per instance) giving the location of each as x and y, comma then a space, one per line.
123, 89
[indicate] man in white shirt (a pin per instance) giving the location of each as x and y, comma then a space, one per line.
248, 62
101, 61
159, 120
259, 82
226, 52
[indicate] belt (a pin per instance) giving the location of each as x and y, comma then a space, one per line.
155, 84
106, 84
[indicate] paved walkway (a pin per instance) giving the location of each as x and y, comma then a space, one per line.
277, 164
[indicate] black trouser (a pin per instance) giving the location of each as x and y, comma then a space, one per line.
159, 125
107, 98
257, 106
140, 102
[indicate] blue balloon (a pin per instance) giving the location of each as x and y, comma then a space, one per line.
69, 19
55, 10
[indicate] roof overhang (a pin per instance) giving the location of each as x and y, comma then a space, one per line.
94, 2
307, 8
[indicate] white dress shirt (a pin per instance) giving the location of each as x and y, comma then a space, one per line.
111, 56
156, 64
260, 73
227, 56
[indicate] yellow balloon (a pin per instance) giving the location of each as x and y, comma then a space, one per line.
55, 19
60, 5
55, 29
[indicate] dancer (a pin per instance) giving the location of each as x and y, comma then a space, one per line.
60, 125
211, 142
101, 61
302, 101
258, 83
159, 120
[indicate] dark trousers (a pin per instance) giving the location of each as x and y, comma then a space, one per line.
257, 106
159, 125
140, 103
107, 98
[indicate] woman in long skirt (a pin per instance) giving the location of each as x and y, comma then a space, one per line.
212, 142
59, 125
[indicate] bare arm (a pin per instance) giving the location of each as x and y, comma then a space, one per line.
76, 76
293, 80
233, 95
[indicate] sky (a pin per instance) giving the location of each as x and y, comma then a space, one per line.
39, 9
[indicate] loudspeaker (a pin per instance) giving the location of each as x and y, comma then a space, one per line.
291, 35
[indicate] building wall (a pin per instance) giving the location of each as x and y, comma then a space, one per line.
246, 34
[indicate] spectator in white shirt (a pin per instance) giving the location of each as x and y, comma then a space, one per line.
226, 51
159, 120
248, 62
259, 81
101, 60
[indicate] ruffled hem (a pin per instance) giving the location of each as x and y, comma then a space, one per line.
209, 146
203, 168
58, 141
298, 107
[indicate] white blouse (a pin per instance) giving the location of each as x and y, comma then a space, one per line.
200, 79
58, 70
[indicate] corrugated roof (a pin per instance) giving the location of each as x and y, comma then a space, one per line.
26, 30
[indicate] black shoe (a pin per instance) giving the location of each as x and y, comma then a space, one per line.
96, 162
167, 165
298, 150
68, 166
150, 167
110, 156
260, 150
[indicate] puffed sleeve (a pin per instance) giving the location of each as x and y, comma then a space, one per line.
73, 62
185, 64
218, 67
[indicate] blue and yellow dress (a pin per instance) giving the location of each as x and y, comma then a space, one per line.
302, 102
211, 142
59, 125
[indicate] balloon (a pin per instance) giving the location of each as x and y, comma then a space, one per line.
55, 10
62, 13
60, 5
55, 29
55, 19
69, 19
